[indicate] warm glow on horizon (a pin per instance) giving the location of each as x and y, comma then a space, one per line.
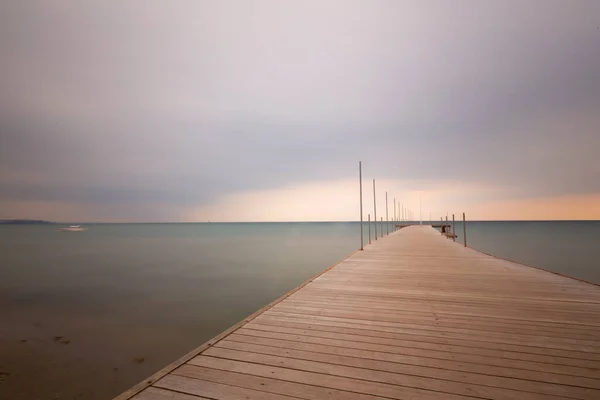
336, 201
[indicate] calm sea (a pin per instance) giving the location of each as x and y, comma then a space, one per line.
89, 314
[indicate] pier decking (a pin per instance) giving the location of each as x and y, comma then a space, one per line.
413, 316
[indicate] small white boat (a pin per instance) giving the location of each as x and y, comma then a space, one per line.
73, 228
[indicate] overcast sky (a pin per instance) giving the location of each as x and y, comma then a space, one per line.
260, 110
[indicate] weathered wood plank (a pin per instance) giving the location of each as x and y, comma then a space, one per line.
214, 390
161, 394
270, 385
590, 371
490, 370
462, 349
437, 375
415, 335
323, 380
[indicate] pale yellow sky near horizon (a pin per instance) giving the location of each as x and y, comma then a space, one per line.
338, 201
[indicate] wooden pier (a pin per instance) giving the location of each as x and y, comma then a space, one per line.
413, 316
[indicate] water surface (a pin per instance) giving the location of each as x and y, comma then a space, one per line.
87, 315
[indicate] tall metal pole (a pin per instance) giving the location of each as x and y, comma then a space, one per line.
420, 210
453, 229
369, 228
387, 220
375, 208
394, 209
465, 229
361, 210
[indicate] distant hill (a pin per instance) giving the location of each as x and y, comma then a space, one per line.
24, 222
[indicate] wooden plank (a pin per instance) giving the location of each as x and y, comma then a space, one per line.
213, 390
323, 380
438, 375
447, 339
153, 393
425, 313
447, 311
518, 333
270, 385
464, 349
483, 361
590, 334
489, 370
366, 374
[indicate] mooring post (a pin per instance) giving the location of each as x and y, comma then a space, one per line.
453, 229
374, 209
387, 220
420, 210
394, 214
465, 229
369, 228
361, 210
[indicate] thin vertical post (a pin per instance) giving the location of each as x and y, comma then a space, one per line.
420, 210
375, 209
387, 220
394, 210
381, 226
369, 228
465, 229
453, 229
361, 210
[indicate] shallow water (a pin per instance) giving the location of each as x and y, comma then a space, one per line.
87, 315
118, 292
566, 247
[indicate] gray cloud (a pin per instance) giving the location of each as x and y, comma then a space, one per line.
179, 103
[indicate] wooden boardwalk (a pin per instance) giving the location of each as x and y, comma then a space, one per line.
414, 316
